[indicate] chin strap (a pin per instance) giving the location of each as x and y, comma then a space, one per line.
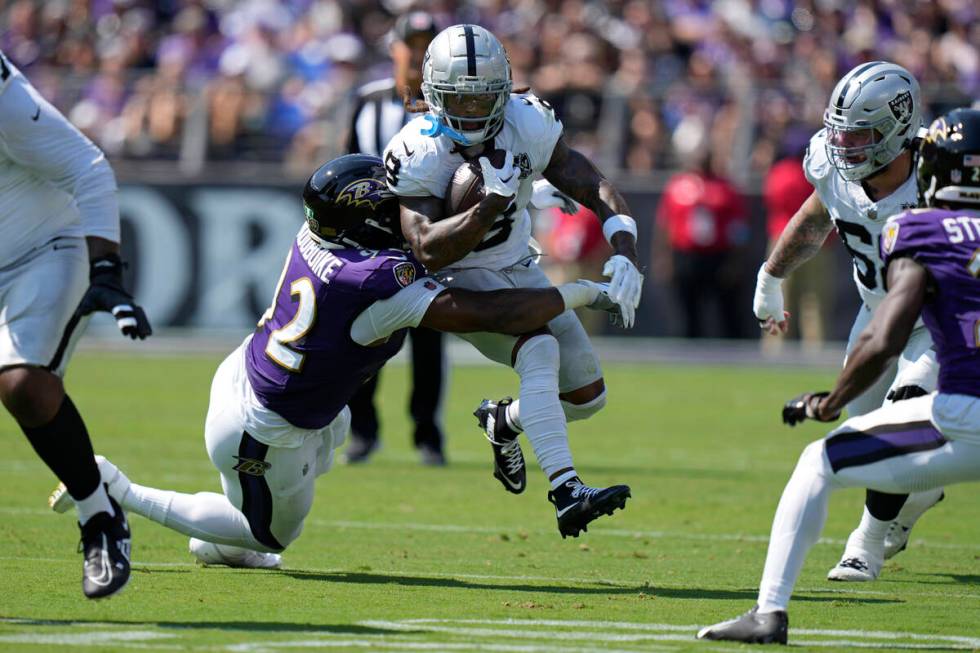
437, 127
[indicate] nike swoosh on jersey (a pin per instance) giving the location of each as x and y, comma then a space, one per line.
37, 114
408, 152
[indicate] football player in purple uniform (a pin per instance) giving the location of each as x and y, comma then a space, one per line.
278, 410
932, 263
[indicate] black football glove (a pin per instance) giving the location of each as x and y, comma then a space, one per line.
106, 293
802, 406
906, 392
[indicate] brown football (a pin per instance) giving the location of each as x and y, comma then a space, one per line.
465, 188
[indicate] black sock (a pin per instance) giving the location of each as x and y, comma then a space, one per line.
884, 506
63, 444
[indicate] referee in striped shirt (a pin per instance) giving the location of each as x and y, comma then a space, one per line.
379, 113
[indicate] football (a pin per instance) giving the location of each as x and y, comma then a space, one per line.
465, 188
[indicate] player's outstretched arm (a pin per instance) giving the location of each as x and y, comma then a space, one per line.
884, 337
573, 174
513, 311
800, 241
437, 241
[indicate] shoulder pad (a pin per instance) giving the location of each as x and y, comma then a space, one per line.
391, 272
815, 163
534, 119
412, 161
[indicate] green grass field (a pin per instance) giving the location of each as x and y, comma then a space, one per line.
398, 557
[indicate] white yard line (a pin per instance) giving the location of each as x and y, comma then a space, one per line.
561, 633
598, 532
610, 582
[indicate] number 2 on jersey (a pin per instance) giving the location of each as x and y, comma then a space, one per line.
278, 349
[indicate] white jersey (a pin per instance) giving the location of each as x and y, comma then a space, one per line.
53, 180
858, 220
422, 166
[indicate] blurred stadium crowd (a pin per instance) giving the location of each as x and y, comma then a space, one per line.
675, 99
220, 80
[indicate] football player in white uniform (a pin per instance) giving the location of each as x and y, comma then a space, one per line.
346, 297
861, 165
59, 261
471, 111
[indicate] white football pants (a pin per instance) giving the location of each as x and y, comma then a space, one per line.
909, 446
268, 490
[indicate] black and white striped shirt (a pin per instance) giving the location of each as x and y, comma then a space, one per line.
378, 115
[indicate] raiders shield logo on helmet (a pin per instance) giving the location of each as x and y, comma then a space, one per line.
901, 106
890, 235
404, 274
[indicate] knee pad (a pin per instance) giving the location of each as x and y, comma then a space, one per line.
583, 411
538, 359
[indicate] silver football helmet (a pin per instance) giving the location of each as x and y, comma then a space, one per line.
873, 115
466, 82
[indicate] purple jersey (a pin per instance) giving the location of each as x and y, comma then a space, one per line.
947, 243
301, 362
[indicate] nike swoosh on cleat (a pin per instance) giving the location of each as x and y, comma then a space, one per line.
106, 576
566, 509
506, 480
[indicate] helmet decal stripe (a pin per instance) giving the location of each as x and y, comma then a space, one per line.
854, 75
470, 51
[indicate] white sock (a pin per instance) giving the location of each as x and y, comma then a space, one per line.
93, 504
868, 537
916, 505
796, 527
566, 476
541, 414
513, 415
205, 515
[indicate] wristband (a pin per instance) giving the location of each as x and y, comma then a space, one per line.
577, 295
767, 282
618, 222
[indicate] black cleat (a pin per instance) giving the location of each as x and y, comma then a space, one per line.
751, 628
106, 545
508, 459
431, 456
360, 450
577, 504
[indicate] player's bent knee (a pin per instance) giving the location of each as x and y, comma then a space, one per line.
528, 342
32, 395
814, 457
538, 351
585, 410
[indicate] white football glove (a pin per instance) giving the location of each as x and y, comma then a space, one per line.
768, 303
620, 315
503, 181
546, 196
625, 281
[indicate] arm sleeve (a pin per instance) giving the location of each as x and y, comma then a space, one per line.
406, 308
36, 136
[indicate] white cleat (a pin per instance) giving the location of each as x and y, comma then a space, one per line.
209, 553
856, 567
897, 537
116, 482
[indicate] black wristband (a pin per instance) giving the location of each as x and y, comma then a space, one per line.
108, 264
